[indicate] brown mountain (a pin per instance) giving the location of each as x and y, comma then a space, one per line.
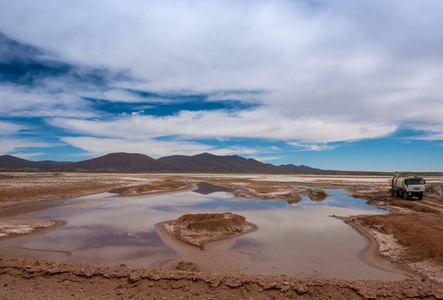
9, 161
15, 162
118, 162
206, 162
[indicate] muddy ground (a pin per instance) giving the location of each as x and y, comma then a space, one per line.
411, 236
200, 229
29, 279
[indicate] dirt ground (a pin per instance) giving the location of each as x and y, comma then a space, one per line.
199, 229
16, 226
410, 236
18, 188
29, 279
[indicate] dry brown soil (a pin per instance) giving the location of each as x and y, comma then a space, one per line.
30, 279
19, 188
19, 226
410, 236
422, 243
34, 187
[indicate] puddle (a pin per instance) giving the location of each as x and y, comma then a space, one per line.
207, 188
298, 240
124, 189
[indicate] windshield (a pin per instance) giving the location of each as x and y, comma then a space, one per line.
414, 181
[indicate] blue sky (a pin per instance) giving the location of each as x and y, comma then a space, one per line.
349, 85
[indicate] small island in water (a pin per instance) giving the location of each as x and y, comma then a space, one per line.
199, 229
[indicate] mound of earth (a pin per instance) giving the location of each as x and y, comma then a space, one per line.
199, 229
13, 227
292, 198
317, 195
435, 191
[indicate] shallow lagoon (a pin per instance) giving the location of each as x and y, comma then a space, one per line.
297, 240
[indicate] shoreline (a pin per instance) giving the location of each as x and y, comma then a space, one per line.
33, 226
214, 258
371, 252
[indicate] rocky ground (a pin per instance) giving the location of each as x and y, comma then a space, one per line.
410, 236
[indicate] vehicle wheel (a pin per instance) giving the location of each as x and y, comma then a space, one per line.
405, 195
420, 197
397, 194
392, 193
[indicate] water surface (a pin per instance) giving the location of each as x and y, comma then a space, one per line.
298, 240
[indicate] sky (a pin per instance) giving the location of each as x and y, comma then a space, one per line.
336, 85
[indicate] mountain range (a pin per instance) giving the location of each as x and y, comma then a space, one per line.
135, 162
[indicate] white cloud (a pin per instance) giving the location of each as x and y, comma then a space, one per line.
12, 145
233, 150
248, 124
28, 155
429, 137
254, 97
18, 101
341, 70
101, 146
266, 158
7, 128
313, 147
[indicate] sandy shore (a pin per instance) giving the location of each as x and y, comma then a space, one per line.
20, 226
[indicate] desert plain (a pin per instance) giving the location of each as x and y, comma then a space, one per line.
410, 237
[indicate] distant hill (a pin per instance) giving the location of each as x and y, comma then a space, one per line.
10, 161
51, 164
115, 162
119, 162
15, 162
206, 162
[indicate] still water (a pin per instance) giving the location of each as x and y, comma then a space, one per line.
298, 240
